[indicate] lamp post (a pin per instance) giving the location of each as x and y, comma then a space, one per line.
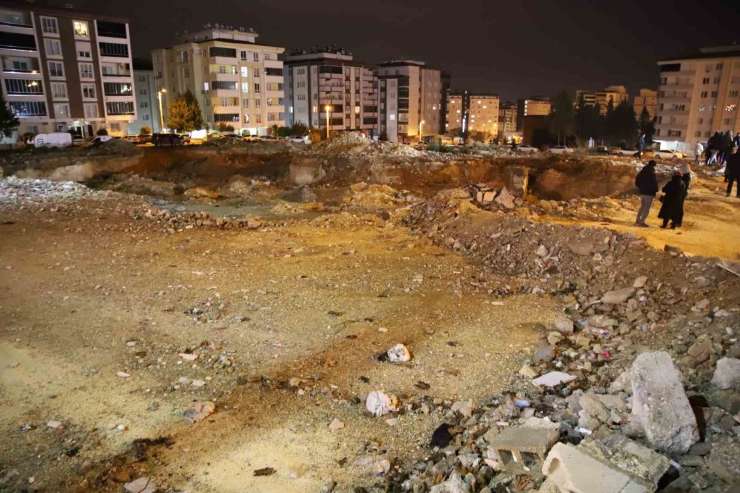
161, 115
421, 129
328, 120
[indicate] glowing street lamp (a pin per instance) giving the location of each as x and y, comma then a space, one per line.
328, 109
161, 115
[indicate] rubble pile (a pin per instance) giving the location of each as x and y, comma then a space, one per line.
24, 192
364, 194
115, 147
178, 220
355, 145
139, 185
252, 147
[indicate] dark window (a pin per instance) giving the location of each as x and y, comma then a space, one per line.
221, 117
671, 67
120, 108
23, 86
369, 109
112, 29
334, 121
403, 105
28, 108
369, 121
17, 41
114, 49
224, 52
403, 81
278, 72
117, 89
221, 84
336, 108
403, 92
325, 69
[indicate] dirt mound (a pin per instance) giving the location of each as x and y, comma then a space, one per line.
353, 144
115, 147
378, 195
252, 147
139, 185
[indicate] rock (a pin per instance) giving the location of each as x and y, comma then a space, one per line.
505, 199
200, 411
378, 403
336, 425
723, 461
594, 408
528, 372
521, 446
542, 251
302, 194
674, 250
617, 297
202, 192
188, 357
122, 374
328, 487
398, 354
516, 179
141, 485
622, 383
464, 408
640, 282
553, 379
701, 350
54, 424
454, 484
544, 355
582, 248
660, 404
564, 325
727, 373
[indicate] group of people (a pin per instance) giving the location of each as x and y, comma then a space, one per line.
677, 189
719, 148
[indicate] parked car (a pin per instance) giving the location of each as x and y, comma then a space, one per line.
627, 152
268, 137
527, 149
603, 150
167, 140
57, 139
298, 140
561, 150
665, 154
97, 140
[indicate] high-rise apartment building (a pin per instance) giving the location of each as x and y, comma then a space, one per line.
411, 95
699, 95
647, 99
615, 94
64, 70
457, 109
236, 80
536, 106
507, 119
472, 112
145, 92
330, 78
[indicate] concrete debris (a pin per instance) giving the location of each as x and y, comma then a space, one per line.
727, 373
398, 354
454, 484
336, 425
524, 448
564, 325
199, 411
379, 404
553, 379
660, 404
141, 485
618, 297
505, 199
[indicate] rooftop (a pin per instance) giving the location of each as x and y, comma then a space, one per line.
70, 8
730, 51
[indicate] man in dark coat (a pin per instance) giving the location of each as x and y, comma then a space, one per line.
647, 185
726, 147
733, 171
672, 208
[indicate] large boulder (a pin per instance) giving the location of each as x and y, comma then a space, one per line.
660, 404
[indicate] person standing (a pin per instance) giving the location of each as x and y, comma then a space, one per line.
736, 141
713, 148
686, 177
725, 147
732, 172
640, 145
647, 185
698, 151
671, 210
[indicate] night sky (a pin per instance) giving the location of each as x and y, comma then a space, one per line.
515, 48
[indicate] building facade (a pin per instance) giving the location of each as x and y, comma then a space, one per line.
698, 95
472, 112
236, 81
507, 120
411, 95
615, 94
66, 71
536, 106
456, 109
145, 92
330, 78
647, 99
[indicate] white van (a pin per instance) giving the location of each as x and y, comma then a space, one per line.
59, 139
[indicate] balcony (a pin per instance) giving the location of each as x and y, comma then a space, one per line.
20, 65
15, 19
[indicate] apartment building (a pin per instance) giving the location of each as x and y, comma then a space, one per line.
699, 95
411, 96
64, 70
536, 106
646, 99
145, 92
456, 110
616, 94
236, 81
330, 78
472, 112
507, 120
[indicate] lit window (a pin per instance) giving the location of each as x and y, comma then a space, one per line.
392, 117
730, 107
206, 86
81, 29
245, 71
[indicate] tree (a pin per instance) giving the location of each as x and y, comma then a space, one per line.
454, 132
222, 127
145, 130
621, 124
645, 123
563, 116
184, 114
299, 129
8, 121
101, 131
316, 135
478, 136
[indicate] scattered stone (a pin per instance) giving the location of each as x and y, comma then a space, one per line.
618, 297
379, 404
660, 404
727, 373
528, 372
454, 484
544, 355
465, 408
188, 357
54, 424
640, 282
336, 425
141, 485
122, 374
505, 199
200, 411
581, 248
523, 447
564, 325
398, 354
553, 379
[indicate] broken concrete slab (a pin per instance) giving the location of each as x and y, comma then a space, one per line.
573, 470
594, 408
727, 373
505, 199
660, 404
523, 448
582, 248
564, 325
141, 485
644, 466
454, 484
618, 296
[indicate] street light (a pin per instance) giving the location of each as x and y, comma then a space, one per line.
421, 131
161, 115
328, 108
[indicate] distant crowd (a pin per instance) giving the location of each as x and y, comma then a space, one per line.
719, 148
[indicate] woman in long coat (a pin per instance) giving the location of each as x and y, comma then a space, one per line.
672, 208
